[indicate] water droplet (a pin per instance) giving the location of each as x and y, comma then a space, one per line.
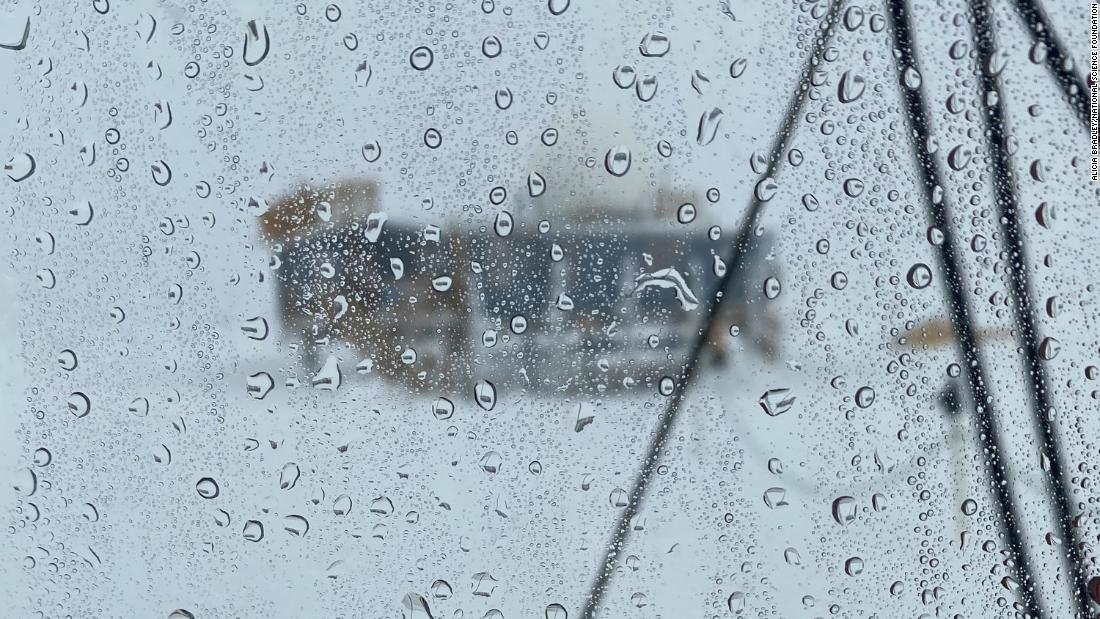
372, 151
381, 505
775, 497
666, 386
296, 525
557, 7
668, 278
518, 324
81, 213
503, 224
257, 43
253, 530
491, 462
288, 475
443, 408
556, 253
24, 481
397, 267
421, 58
42, 457
341, 506
536, 184
67, 360
737, 67
432, 138
699, 82
485, 394
853, 566
686, 213
416, 607
442, 283
719, 266
959, 157
363, 73
919, 276
844, 510
375, 223
865, 396
766, 189
503, 98
624, 76
646, 87
772, 287
483, 585
442, 590
654, 45
1037, 171
259, 385
708, 126
617, 160
79, 404
969, 507
910, 78
1049, 348
1046, 215
45, 241
207, 488
13, 41
775, 402
255, 328
489, 338
20, 167
619, 498
490, 46
138, 407
851, 87
853, 18
853, 187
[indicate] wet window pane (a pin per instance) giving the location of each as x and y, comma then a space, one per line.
549, 309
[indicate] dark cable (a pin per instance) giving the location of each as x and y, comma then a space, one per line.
1027, 333
988, 431
712, 306
1057, 60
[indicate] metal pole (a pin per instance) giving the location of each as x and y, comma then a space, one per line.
989, 433
1027, 332
712, 305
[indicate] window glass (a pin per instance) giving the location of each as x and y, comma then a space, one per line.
482, 309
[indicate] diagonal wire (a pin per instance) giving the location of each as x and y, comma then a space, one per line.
713, 303
1004, 189
1057, 60
1001, 486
